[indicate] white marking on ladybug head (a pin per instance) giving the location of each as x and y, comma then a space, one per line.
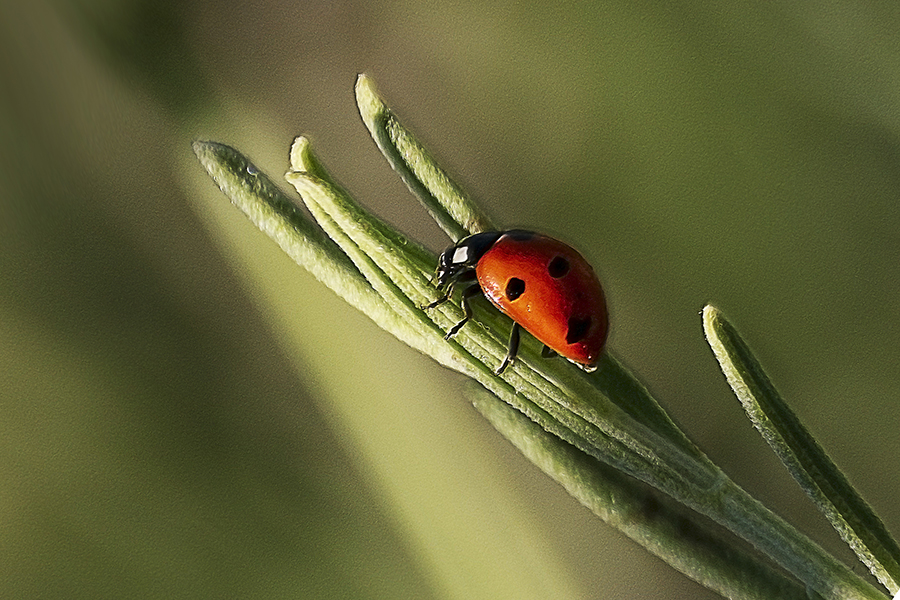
460, 255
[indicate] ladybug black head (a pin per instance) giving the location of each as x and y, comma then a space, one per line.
464, 256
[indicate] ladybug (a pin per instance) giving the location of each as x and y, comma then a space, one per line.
544, 285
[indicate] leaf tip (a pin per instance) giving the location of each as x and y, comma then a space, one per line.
711, 317
367, 100
300, 155
205, 151
197, 146
225, 165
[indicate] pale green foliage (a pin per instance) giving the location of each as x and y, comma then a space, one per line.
603, 436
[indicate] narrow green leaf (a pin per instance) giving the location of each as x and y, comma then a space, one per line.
396, 267
616, 382
266, 206
553, 395
459, 216
303, 160
681, 538
388, 249
278, 217
807, 462
454, 212
387, 277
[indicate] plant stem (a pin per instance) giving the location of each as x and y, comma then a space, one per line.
682, 538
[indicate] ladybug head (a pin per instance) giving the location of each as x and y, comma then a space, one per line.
463, 256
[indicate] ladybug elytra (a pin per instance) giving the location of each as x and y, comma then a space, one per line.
544, 285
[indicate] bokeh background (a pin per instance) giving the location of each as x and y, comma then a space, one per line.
184, 413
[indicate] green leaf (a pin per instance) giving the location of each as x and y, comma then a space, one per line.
394, 267
608, 415
267, 207
277, 216
681, 538
807, 462
616, 382
445, 201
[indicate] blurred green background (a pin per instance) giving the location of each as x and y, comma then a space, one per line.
184, 413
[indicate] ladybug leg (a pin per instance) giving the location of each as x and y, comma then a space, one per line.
443, 298
468, 294
466, 276
548, 352
440, 300
513, 348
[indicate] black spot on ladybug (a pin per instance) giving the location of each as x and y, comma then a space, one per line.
578, 328
558, 267
515, 287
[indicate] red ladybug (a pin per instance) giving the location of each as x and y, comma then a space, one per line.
544, 285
